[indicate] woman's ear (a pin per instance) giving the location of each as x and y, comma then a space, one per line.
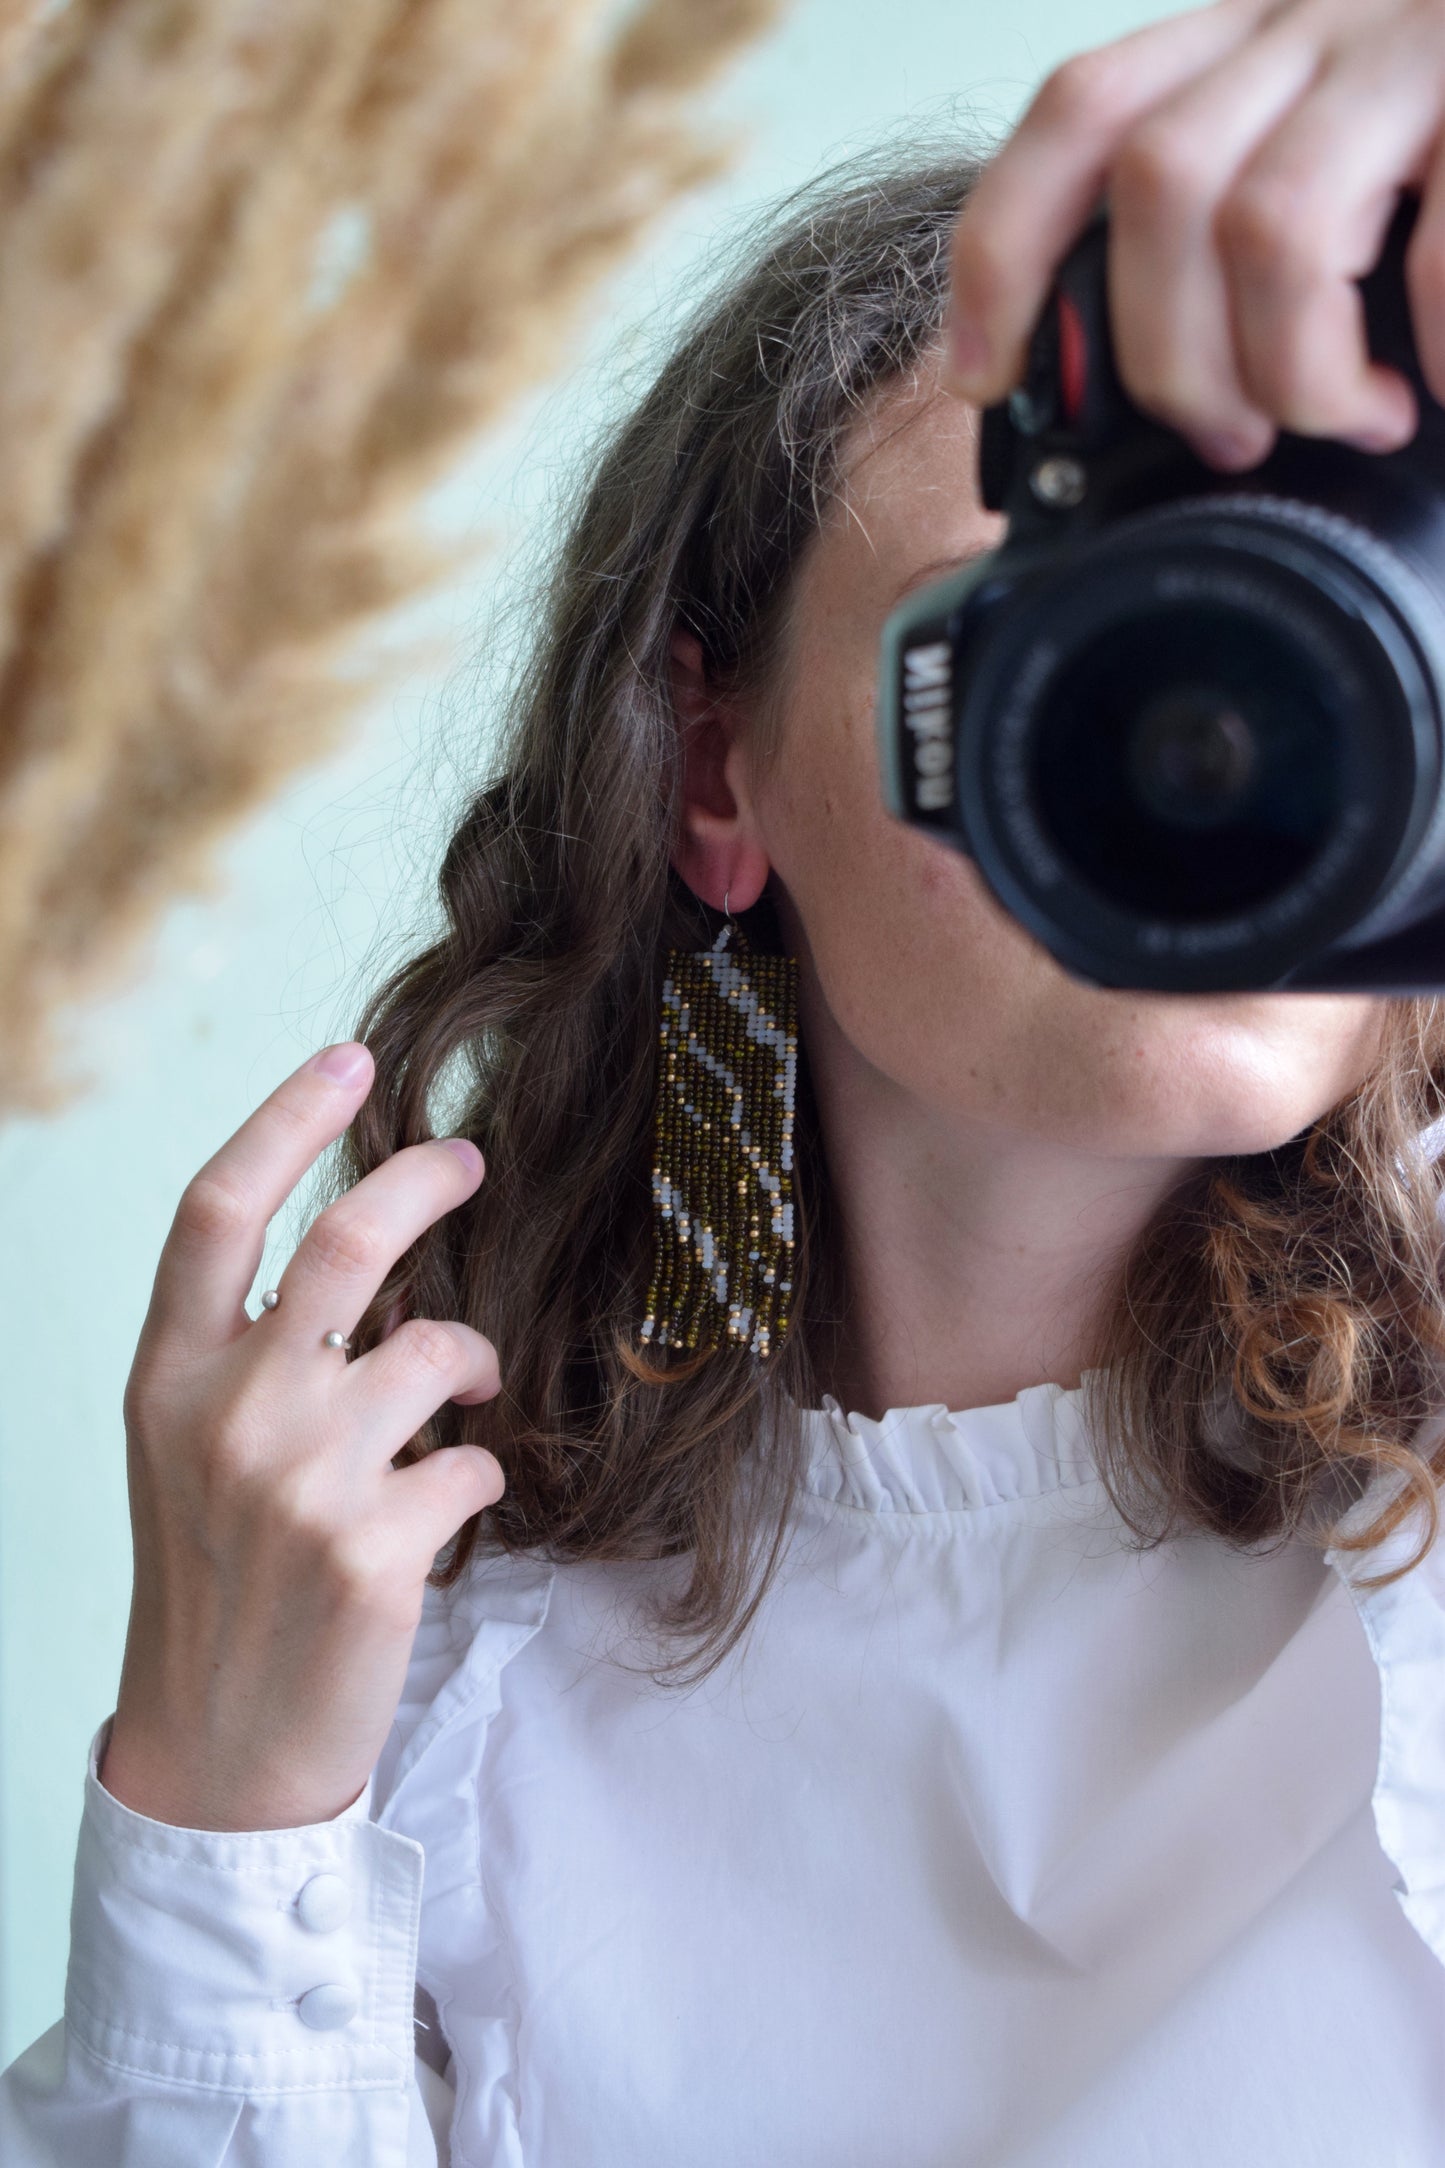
717, 851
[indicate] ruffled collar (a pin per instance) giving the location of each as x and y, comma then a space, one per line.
934, 1459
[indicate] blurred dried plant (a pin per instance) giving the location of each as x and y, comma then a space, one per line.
212, 465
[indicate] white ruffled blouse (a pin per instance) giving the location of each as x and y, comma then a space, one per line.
996, 1845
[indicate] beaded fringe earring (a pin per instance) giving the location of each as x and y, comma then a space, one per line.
722, 1174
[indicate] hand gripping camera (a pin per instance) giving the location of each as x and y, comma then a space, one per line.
1189, 727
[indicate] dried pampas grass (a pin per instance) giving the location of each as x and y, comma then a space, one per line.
211, 469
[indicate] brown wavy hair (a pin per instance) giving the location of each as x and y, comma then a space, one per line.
1276, 1332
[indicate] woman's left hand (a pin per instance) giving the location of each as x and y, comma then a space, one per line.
1253, 153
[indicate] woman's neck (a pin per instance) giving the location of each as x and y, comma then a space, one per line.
977, 1260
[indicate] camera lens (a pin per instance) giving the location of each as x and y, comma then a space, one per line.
1186, 761
1191, 756
1205, 744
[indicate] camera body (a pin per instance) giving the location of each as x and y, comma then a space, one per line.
1190, 726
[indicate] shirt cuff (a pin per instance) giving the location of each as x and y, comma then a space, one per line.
266, 1961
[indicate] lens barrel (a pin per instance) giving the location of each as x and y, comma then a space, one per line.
1209, 745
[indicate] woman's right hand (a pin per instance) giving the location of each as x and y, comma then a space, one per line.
1253, 153
280, 1559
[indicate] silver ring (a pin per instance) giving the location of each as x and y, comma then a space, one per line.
272, 1297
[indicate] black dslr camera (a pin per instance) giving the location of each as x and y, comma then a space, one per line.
1189, 724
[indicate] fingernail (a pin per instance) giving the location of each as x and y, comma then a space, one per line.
1222, 448
968, 355
346, 1064
466, 1152
1397, 417
1376, 440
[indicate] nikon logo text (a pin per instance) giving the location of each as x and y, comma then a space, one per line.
928, 711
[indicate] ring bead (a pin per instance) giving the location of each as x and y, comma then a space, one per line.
270, 1299
336, 1339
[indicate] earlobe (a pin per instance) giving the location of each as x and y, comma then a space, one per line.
716, 852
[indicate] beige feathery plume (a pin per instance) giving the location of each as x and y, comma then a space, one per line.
213, 467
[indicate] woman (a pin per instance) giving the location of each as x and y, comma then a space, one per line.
985, 1833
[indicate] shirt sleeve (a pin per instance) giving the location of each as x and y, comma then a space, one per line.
233, 2000
1405, 1625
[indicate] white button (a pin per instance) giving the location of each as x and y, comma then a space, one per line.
324, 2008
323, 1903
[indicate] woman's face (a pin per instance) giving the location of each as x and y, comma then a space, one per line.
907, 960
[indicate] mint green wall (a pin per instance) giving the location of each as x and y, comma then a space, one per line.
314, 897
